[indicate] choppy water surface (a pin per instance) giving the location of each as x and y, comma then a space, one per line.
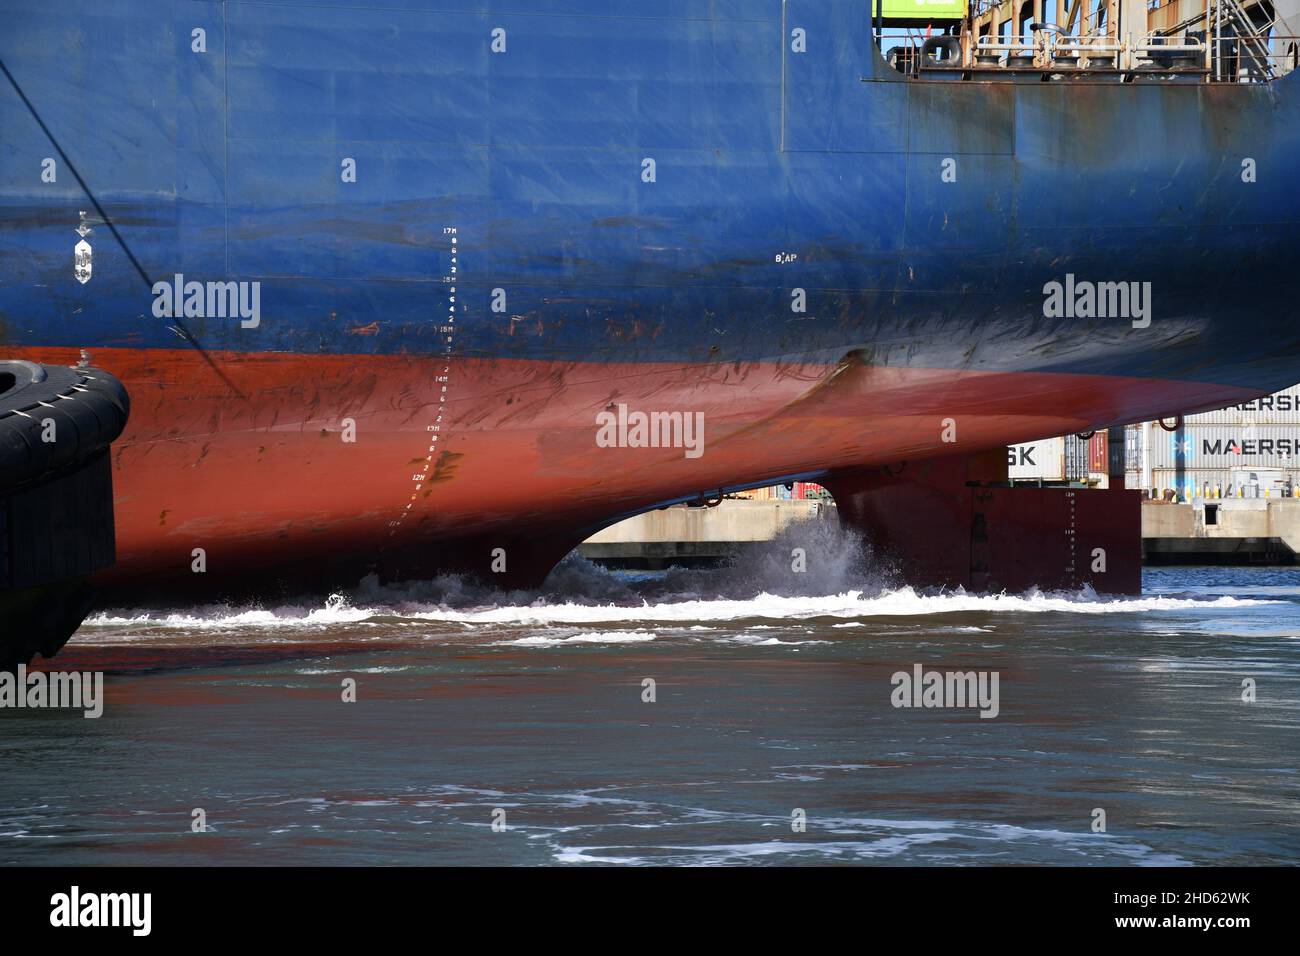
772, 695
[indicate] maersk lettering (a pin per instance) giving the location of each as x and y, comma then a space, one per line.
1021, 457
1261, 446
1271, 403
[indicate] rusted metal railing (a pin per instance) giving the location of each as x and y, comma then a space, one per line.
1259, 58
1220, 57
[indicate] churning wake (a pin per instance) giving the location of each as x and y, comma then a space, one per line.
812, 570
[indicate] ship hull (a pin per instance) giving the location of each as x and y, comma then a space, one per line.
323, 472
463, 256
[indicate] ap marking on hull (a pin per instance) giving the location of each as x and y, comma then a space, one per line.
82, 253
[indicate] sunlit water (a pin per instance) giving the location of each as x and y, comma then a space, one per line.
772, 696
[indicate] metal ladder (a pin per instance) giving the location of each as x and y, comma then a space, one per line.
1251, 44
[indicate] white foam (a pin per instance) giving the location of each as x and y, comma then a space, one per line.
609, 637
902, 602
756, 641
758, 589
336, 610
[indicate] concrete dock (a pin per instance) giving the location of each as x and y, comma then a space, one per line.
1206, 531
1221, 531
687, 535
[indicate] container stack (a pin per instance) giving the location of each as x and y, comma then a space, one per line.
1251, 450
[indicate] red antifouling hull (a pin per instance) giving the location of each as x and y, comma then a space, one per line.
266, 485
945, 523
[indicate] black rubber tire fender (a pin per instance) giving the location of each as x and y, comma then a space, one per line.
88, 409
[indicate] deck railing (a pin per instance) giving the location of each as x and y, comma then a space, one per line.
1225, 59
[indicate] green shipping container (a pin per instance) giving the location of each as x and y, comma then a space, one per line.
922, 9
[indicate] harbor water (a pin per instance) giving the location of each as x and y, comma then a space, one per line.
738, 715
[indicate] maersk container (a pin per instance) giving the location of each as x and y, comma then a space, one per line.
1040, 460
1227, 446
1280, 408
1064, 458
